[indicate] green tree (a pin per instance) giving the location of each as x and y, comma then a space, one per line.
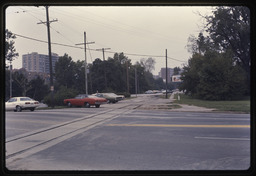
176, 70
79, 77
65, 72
190, 75
229, 29
200, 45
148, 64
20, 83
97, 75
37, 89
214, 76
10, 51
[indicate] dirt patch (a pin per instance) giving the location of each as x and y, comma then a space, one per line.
161, 106
175, 107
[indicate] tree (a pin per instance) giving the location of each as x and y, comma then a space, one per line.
190, 75
228, 44
200, 45
10, 55
37, 89
229, 29
214, 76
10, 51
79, 77
148, 64
20, 83
65, 71
176, 71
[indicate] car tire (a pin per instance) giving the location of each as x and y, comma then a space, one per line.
32, 109
97, 106
87, 105
18, 109
69, 104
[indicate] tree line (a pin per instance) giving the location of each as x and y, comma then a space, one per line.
116, 74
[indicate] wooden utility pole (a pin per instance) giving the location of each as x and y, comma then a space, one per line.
127, 78
50, 52
10, 79
85, 62
166, 82
105, 74
103, 51
136, 89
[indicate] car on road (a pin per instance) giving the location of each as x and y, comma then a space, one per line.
85, 100
149, 92
111, 97
18, 104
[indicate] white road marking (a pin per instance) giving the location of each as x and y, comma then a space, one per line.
221, 138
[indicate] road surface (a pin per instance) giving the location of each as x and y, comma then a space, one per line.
122, 136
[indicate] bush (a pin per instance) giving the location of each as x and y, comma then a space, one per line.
126, 94
60, 95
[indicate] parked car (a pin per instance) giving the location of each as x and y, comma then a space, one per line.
149, 92
111, 97
85, 100
21, 103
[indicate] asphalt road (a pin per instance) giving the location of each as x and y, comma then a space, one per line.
123, 137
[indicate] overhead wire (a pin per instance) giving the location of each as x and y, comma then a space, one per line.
60, 44
89, 49
28, 12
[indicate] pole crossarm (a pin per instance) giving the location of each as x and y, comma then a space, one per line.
47, 22
103, 51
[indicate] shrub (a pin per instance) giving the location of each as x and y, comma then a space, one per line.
60, 95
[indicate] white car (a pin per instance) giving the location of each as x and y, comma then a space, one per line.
21, 103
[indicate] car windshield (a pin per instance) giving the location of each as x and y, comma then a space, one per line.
92, 96
81, 96
12, 100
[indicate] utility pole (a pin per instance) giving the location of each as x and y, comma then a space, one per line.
85, 61
50, 52
103, 50
127, 78
105, 74
166, 82
10, 79
136, 89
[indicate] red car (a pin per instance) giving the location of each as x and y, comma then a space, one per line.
85, 100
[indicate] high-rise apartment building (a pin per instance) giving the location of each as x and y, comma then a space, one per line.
39, 63
162, 74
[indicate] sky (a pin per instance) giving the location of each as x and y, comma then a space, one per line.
137, 31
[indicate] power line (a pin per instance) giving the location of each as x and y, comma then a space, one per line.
65, 45
42, 41
41, 22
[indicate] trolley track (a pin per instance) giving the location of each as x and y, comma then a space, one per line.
29, 143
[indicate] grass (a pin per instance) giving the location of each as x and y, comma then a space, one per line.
55, 107
242, 106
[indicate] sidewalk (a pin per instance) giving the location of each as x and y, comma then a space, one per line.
168, 105
189, 108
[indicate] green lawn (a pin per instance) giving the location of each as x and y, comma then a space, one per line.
233, 106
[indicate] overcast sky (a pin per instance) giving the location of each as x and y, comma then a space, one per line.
136, 30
